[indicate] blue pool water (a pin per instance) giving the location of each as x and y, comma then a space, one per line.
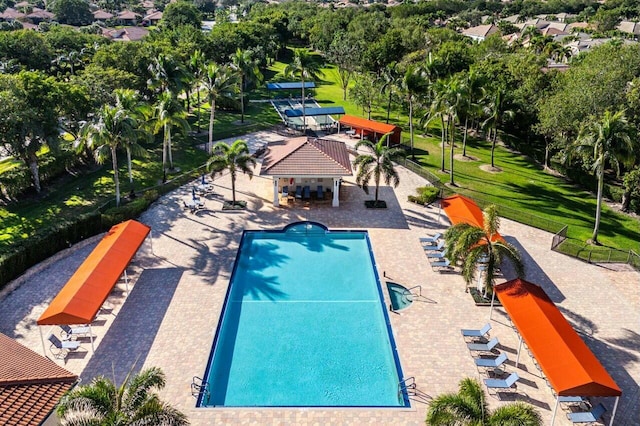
304, 324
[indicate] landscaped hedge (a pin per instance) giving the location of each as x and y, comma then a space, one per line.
131, 210
426, 195
48, 242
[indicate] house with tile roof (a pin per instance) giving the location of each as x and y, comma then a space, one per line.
30, 384
629, 27
480, 32
306, 162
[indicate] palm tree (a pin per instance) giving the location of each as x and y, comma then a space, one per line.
128, 101
469, 407
167, 113
233, 158
132, 403
378, 164
469, 243
247, 69
496, 112
471, 108
114, 128
196, 67
304, 67
607, 141
390, 81
167, 75
412, 84
219, 82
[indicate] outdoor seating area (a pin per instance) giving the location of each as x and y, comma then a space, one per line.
60, 348
435, 250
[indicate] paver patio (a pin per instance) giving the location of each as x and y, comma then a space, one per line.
180, 278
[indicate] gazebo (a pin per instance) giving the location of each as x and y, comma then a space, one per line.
305, 161
371, 129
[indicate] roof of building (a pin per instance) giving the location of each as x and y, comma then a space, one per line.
10, 13
314, 111
30, 384
40, 14
154, 15
481, 30
629, 27
305, 156
371, 125
125, 34
128, 15
102, 14
290, 85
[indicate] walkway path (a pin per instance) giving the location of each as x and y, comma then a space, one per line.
180, 280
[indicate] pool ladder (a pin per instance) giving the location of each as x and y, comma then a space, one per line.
199, 388
409, 292
408, 385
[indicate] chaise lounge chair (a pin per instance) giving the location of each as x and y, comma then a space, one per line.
432, 239
502, 383
299, 192
491, 362
59, 349
483, 332
438, 247
69, 332
436, 254
589, 416
483, 347
306, 193
441, 264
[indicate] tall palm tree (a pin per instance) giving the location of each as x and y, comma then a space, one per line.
131, 403
168, 113
247, 68
304, 67
167, 75
469, 244
196, 67
471, 108
378, 164
469, 407
114, 128
606, 141
128, 100
412, 84
390, 82
496, 112
218, 82
233, 158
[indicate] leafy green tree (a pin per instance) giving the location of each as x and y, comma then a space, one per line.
631, 188
344, 52
181, 13
364, 92
469, 407
378, 164
304, 67
27, 47
235, 158
391, 80
248, 71
129, 102
468, 244
605, 141
72, 12
196, 67
131, 403
167, 114
218, 82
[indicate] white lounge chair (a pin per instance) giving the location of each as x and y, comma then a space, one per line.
436, 254
59, 349
68, 332
507, 383
483, 332
432, 239
483, 347
441, 264
491, 362
589, 416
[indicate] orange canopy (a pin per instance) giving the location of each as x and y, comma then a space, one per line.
567, 362
364, 127
461, 209
80, 299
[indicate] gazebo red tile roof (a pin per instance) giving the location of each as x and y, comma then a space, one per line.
306, 157
30, 384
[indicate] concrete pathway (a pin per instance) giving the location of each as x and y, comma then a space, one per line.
180, 279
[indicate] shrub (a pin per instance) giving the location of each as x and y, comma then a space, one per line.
426, 195
130, 210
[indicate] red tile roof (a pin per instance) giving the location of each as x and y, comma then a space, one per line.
30, 384
306, 157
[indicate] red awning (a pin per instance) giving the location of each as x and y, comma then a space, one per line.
80, 299
460, 209
363, 123
567, 362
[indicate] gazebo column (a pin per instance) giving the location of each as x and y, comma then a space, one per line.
336, 192
276, 191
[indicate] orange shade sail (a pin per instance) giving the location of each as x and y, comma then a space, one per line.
365, 127
460, 209
567, 362
80, 299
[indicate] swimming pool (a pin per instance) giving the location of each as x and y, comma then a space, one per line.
304, 325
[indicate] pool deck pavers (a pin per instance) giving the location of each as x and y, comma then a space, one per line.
180, 278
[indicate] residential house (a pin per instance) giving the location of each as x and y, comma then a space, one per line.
481, 32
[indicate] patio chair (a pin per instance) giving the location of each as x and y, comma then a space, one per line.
441, 264
69, 332
189, 204
483, 332
299, 191
589, 416
507, 383
571, 399
483, 347
436, 254
59, 349
320, 192
285, 191
432, 239
491, 362
306, 193
438, 247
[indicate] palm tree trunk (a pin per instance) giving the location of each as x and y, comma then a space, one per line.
212, 103
169, 146
452, 130
242, 98
304, 110
164, 149
442, 139
464, 137
413, 155
199, 104
596, 228
377, 188
493, 145
35, 172
129, 165
233, 188
389, 105
116, 180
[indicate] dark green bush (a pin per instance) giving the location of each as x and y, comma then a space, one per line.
46, 243
426, 195
131, 210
